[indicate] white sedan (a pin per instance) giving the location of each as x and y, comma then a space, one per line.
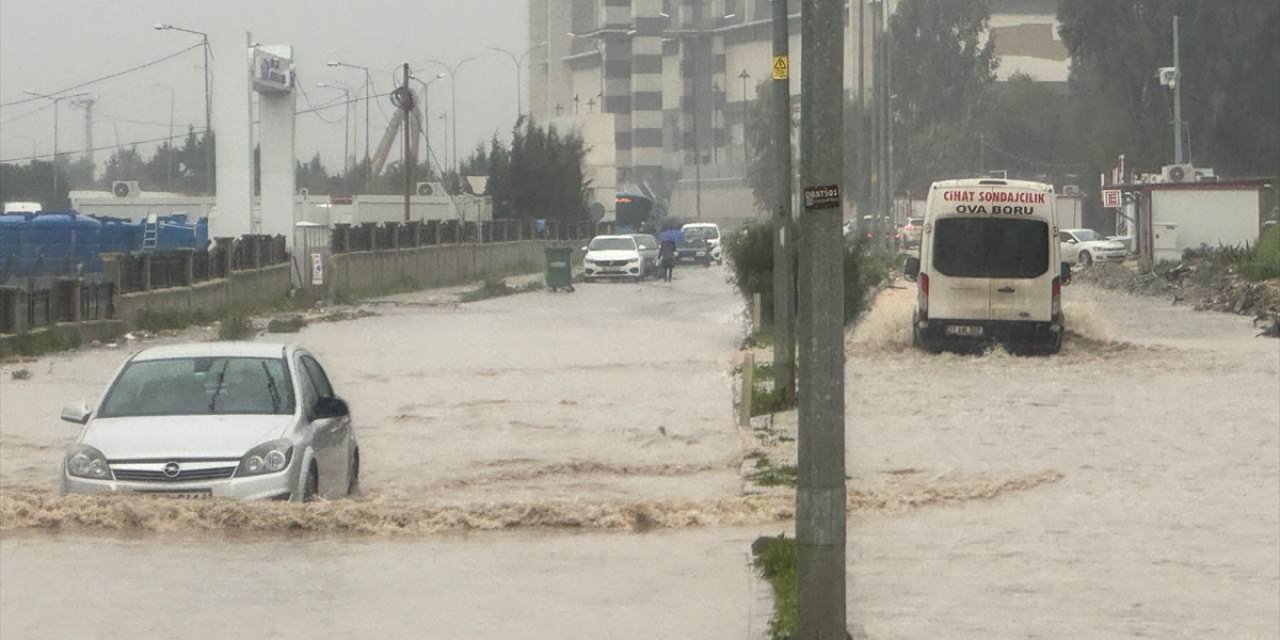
241, 420
708, 231
1085, 247
613, 257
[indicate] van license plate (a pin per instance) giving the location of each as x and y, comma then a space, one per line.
964, 330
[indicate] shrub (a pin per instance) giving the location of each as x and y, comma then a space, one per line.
1265, 262
234, 326
777, 564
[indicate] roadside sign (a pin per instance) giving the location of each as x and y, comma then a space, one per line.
825, 196
317, 269
1111, 198
781, 69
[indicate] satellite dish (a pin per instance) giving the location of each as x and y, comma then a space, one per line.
597, 211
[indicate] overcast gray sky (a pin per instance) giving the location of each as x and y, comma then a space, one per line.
47, 45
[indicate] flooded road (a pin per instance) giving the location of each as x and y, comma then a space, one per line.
551, 465
1163, 421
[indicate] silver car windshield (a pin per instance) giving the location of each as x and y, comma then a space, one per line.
612, 244
1086, 235
702, 233
200, 386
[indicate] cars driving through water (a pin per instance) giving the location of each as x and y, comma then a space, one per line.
708, 232
227, 419
1085, 247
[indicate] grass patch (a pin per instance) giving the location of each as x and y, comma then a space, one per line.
497, 288
776, 562
765, 401
234, 326
39, 342
768, 474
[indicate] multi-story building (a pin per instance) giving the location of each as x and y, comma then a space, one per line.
660, 89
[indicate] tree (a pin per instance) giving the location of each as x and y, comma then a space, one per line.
943, 70
1231, 99
762, 168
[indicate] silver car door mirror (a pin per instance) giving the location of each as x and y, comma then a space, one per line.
77, 413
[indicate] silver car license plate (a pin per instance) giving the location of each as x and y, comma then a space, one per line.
964, 330
204, 494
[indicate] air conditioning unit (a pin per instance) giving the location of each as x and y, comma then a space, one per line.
126, 189
1177, 173
426, 188
1205, 175
1071, 190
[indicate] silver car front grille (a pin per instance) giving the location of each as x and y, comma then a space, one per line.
184, 475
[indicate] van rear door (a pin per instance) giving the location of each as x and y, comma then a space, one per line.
959, 288
1021, 280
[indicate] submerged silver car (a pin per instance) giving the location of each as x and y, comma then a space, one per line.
241, 420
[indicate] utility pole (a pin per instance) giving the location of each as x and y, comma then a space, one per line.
86, 103
406, 106
860, 127
887, 225
697, 146
1177, 97
820, 485
784, 305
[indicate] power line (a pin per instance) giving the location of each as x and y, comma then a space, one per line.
106, 77
1014, 156
314, 109
29, 113
302, 88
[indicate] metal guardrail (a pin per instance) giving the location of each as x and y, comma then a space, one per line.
145, 271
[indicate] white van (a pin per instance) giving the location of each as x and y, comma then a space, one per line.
989, 268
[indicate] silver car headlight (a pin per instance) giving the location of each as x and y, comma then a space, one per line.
270, 457
84, 461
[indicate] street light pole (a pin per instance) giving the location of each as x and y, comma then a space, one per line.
426, 118
208, 104
453, 98
56, 100
745, 129
368, 99
519, 62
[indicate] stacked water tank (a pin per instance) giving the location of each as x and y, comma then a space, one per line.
59, 242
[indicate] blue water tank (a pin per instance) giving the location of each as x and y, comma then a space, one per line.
118, 235
13, 234
54, 238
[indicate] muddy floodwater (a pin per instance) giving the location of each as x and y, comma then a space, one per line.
566, 466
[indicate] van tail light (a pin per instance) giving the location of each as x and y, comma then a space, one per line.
922, 296
1056, 302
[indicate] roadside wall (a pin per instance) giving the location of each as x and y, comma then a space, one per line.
251, 287
433, 266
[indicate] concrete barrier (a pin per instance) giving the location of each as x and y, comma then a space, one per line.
365, 272
241, 288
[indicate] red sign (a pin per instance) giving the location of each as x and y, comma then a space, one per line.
1111, 198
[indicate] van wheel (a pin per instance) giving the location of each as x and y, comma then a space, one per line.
1085, 259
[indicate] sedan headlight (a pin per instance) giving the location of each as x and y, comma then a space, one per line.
84, 461
271, 457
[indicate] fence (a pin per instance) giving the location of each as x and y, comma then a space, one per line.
54, 301
183, 267
392, 235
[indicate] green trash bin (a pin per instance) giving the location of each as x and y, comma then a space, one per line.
559, 268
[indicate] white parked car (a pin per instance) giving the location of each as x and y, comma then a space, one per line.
708, 231
241, 420
649, 247
613, 257
1085, 247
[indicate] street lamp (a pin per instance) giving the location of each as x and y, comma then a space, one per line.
744, 76
208, 118
426, 116
453, 96
346, 122
56, 100
368, 98
169, 155
519, 62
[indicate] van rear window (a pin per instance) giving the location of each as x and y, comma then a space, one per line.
990, 247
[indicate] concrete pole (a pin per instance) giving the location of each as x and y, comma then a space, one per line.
820, 486
1177, 97
784, 350
408, 131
